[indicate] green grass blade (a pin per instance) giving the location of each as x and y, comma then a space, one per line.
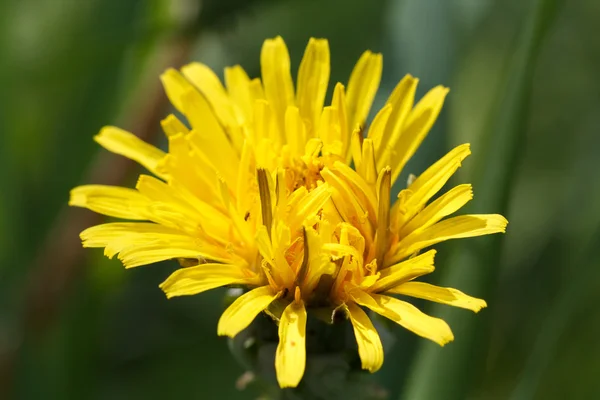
448, 373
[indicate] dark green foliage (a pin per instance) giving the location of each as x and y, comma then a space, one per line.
524, 91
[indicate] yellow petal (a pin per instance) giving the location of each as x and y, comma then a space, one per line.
362, 87
194, 280
368, 166
209, 84
244, 230
277, 79
208, 136
413, 199
295, 131
452, 228
175, 86
411, 318
265, 129
356, 139
369, 281
158, 191
238, 87
244, 309
246, 179
113, 201
364, 192
173, 126
338, 105
142, 243
290, 358
313, 147
330, 133
281, 243
450, 296
313, 78
319, 263
436, 176
309, 206
378, 125
417, 127
174, 205
370, 349
263, 243
405, 271
128, 145
401, 100
348, 205
257, 91
101, 235
150, 249
445, 205
363, 298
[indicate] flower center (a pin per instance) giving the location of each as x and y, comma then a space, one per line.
305, 174
302, 170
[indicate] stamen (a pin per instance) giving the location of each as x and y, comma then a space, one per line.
298, 295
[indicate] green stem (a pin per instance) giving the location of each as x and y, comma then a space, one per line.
447, 373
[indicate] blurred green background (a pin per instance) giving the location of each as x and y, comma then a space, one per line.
524, 91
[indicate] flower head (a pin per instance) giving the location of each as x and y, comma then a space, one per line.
265, 187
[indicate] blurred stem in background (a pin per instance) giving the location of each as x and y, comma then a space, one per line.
450, 373
59, 260
559, 314
421, 41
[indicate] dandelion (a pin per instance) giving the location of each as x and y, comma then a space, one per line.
265, 187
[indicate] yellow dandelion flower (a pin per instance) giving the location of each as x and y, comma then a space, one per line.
257, 189
388, 260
